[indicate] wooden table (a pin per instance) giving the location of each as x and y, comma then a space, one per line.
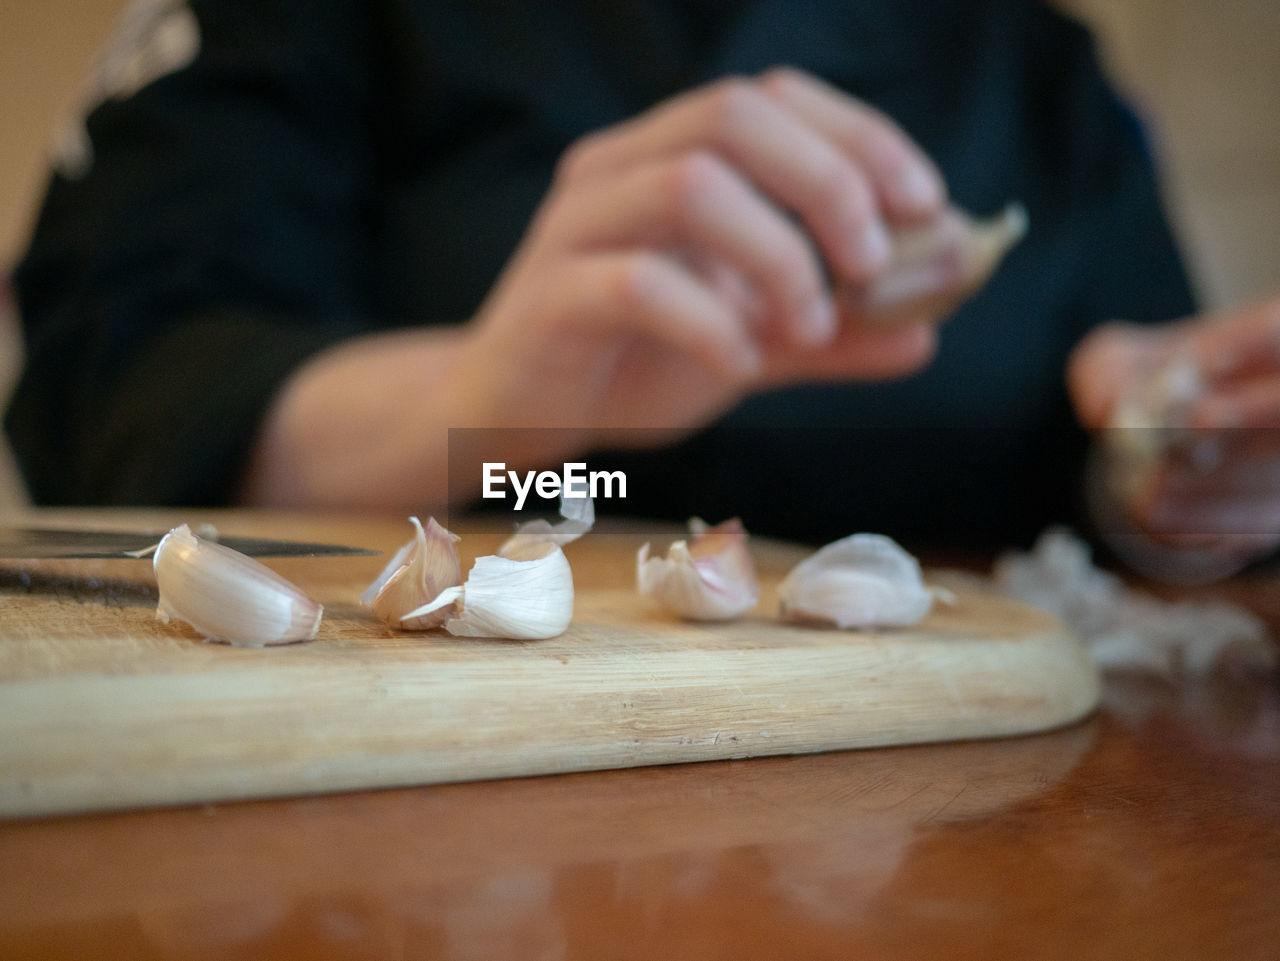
1152, 830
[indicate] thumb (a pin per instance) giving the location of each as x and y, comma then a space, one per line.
1108, 359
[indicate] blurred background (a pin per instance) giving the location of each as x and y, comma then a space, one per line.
1203, 74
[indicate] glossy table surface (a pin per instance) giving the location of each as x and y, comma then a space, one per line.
1151, 830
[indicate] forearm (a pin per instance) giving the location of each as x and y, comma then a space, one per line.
363, 424
366, 424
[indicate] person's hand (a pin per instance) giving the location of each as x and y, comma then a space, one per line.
1214, 486
680, 260
686, 257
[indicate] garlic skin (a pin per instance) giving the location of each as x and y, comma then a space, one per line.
1152, 414
709, 578
525, 591
420, 570
861, 581
525, 600
534, 539
227, 596
936, 267
1127, 629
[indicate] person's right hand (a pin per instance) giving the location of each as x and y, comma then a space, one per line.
680, 261
686, 257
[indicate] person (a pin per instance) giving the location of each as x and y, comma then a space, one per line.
296, 244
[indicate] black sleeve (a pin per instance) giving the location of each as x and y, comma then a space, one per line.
212, 240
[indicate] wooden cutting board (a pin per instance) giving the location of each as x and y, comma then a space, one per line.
103, 707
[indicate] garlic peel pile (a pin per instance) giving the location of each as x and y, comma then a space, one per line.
934, 268
524, 592
1126, 629
708, 578
227, 596
864, 580
420, 570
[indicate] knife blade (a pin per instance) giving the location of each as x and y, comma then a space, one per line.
38, 543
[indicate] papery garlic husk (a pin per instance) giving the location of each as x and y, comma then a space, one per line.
416, 575
525, 591
227, 596
936, 267
1151, 414
1127, 629
864, 580
532, 540
1163, 398
708, 578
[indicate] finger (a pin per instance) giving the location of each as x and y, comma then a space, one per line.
1111, 358
858, 352
648, 293
1224, 554
1256, 519
697, 202
1239, 343
780, 154
907, 183
1252, 403
729, 284
1220, 482
1220, 470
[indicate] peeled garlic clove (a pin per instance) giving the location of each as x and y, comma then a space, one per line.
417, 574
227, 596
936, 267
525, 591
865, 580
710, 578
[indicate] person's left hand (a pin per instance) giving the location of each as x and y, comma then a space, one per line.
1215, 486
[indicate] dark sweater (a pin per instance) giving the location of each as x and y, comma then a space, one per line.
324, 169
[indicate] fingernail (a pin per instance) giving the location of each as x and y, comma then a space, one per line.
819, 323
873, 245
918, 188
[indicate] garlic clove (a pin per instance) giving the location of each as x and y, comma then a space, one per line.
864, 580
934, 268
227, 596
525, 591
1151, 415
1163, 398
709, 578
519, 599
418, 573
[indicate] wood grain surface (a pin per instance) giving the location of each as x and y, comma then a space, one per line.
101, 706
1149, 831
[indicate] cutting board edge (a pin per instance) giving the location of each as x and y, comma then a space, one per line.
1059, 701
66, 804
